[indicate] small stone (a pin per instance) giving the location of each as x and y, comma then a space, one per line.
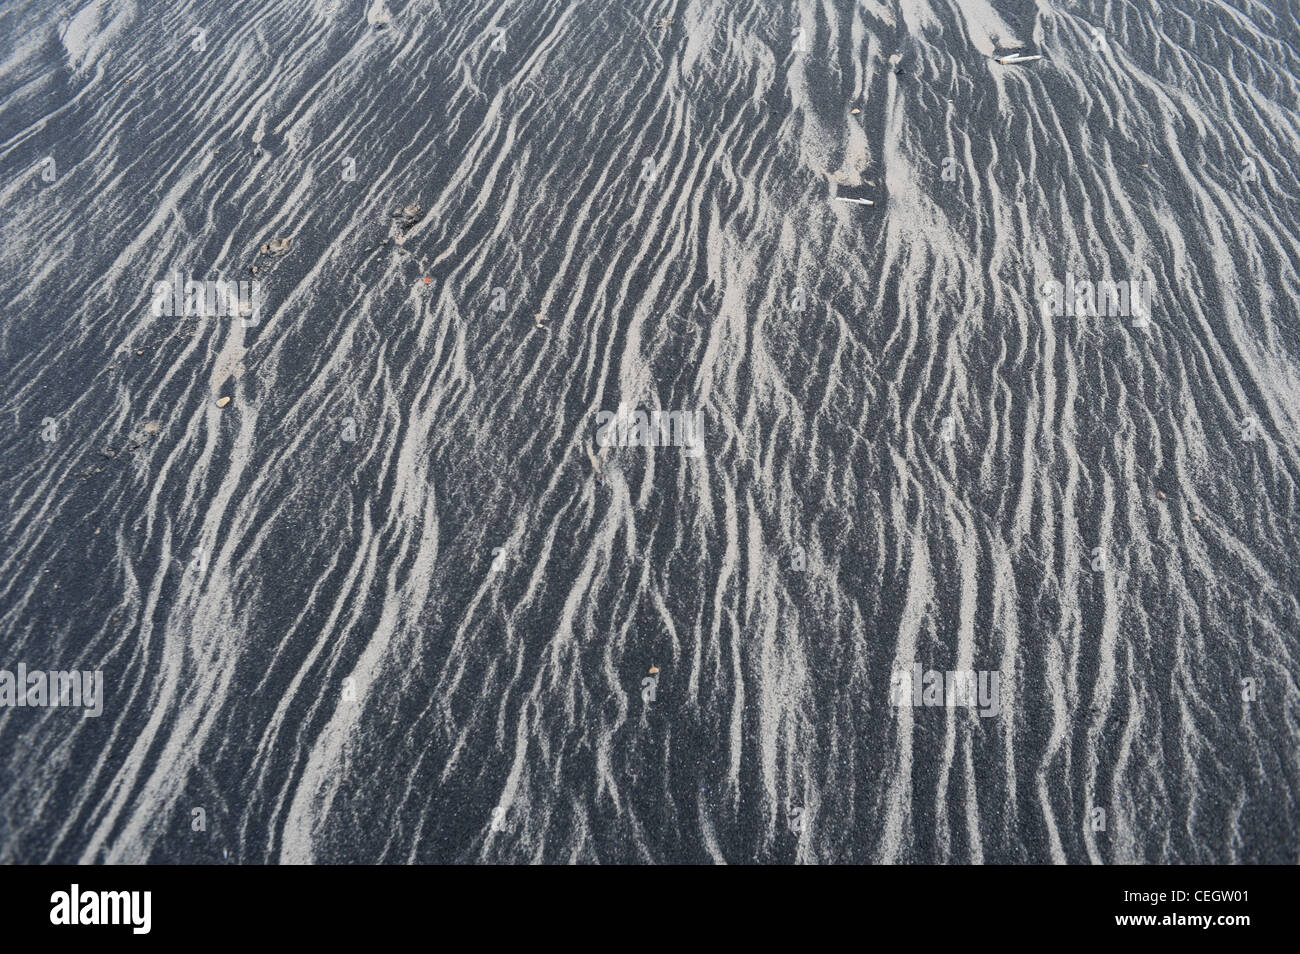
222, 402
856, 111
409, 216
1161, 495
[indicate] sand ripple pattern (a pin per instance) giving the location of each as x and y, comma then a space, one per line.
316, 639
